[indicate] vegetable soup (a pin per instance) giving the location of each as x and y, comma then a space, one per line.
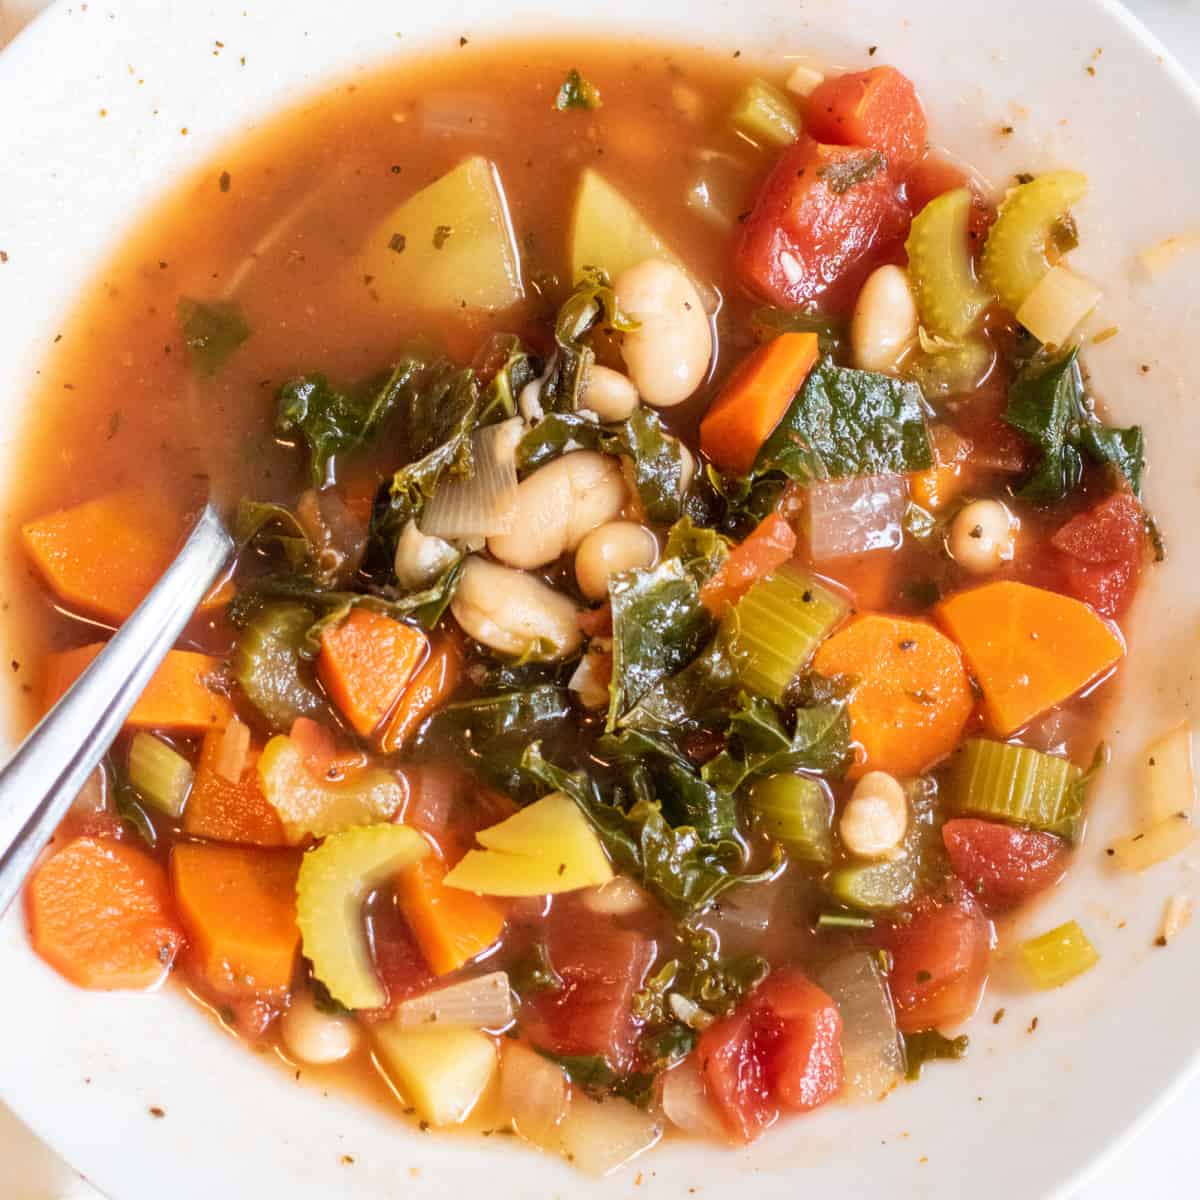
680, 572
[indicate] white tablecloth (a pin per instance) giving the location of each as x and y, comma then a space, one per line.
1157, 1166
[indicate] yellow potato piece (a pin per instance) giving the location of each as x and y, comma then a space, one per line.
440, 1072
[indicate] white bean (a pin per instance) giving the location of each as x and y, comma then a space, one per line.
558, 504
982, 537
610, 395
312, 1036
668, 354
420, 559
875, 817
513, 612
615, 546
884, 324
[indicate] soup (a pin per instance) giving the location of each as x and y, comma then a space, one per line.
679, 576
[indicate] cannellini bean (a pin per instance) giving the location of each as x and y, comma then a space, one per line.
316, 1037
420, 559
884, 324
982, 537
514, 612
558, 504
669, 353
608, 549
875, 818
609, 394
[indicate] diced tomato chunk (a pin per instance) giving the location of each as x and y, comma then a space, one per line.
1003, 865
995, 444
1102, 551
939, 959
877, 108
781, 1049
824, 218
601, 966
932, 176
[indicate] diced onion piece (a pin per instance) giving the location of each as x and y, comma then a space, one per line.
687, 1105
1157, 258
1059, 956
599, 1136
619, 897
872, 1056
484, 1002
1176, 917
719, 187
1169, 782
1057, 304
1164, 840
689, 1012
534, 1092
161, 775
232, 751
857, 515
484, 503
804, 80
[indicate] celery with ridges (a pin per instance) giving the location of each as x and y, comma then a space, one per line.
949, 297
159, 773
796, 812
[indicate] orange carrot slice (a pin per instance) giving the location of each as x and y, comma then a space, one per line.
227, 810
430, 688
366, 662
100, 914
911, 698
1029, 648
937, 486
239, 907
177, 698
104, 555
451, 926
771, 544
754, 400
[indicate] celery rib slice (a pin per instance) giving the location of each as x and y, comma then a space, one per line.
1057, 957
765, 115
796, 812
1017, 785
159, 773
778, 624
1014, 255
949, 297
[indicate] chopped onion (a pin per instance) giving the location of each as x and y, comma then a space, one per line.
1057, 304
233, 750
718, 189
590, 679
619, 897
455, 114
420, 560
804, 80
687, 1105
1154, 845
485, 502
484, 1002
534, 1093
854, 516
1157, 258
1169, 782
689, 1012
872, 1057
92, 799
599, 1136
1176, 918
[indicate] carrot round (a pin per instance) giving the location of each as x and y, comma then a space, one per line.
769, 546
754, 400
430, 688
100, 914
911, 695
366, 662
178, 697
238, 904
228, 810
1029, 648
451, 926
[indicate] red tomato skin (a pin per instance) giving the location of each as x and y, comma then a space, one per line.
1001, 864
399, 963
781, 1049
601, 966
939, 959
878, 108
834, 239
1101, 553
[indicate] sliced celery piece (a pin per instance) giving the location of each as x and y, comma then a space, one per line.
765, 115
1014, 255
1019, 785
270, 667
952, 371
949, 297
778, 624
159, 773
797, 812
334, 881
1057, 957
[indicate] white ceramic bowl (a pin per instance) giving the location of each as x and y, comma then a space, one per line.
1029, 1111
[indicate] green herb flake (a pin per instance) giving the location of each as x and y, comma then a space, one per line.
577, 92
441, 235
920, 1048
397, 242
212, 331
844, 173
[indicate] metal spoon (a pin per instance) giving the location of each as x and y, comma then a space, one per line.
53, 762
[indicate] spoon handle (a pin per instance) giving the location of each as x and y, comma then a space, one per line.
52, 764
